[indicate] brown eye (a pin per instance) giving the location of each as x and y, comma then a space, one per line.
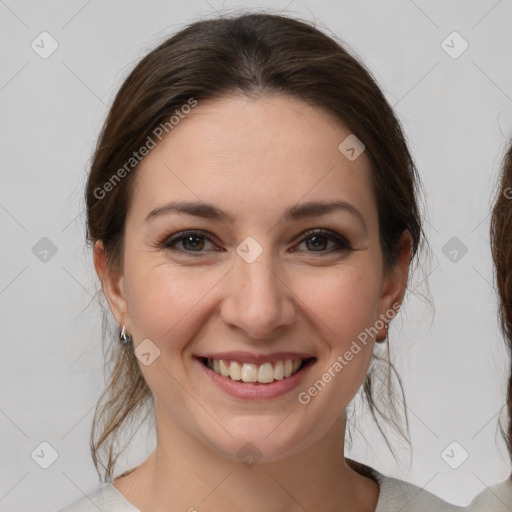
194, 242
318, 241
186, 242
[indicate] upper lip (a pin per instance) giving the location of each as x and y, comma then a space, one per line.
247, 357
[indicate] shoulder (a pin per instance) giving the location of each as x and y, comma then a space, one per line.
497, 498
105, 498
397, 495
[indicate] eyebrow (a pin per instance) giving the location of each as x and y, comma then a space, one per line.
294, 213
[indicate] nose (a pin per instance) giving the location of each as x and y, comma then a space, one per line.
258, 300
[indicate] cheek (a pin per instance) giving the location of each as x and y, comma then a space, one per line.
343, 306
166, 300
170, 303
344, 301
169, 306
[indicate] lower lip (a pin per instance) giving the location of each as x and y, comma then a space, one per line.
254, 390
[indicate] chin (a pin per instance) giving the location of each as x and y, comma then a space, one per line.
257, 439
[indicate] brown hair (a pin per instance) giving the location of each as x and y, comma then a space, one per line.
501, 247
253, 55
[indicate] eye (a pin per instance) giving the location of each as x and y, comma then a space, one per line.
194, 242
187, 242
318, 239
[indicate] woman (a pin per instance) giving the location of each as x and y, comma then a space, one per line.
499, 497
249, 308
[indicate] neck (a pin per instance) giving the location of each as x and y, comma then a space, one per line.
192, 475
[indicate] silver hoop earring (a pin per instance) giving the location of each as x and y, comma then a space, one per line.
125, 338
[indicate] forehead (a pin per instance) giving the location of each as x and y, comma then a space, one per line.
254, 153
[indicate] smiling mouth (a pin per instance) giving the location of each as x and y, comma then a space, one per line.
265, 373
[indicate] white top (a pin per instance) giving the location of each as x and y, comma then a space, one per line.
497, 498
395, 495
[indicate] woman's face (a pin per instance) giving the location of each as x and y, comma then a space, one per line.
250, 285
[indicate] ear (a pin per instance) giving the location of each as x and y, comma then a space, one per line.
112, 283
394, 285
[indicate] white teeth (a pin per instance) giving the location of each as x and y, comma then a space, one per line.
250, 372
279, 370
235, 371
288, 368
265, 373
224, 368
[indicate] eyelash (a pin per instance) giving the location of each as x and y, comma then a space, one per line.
168, 242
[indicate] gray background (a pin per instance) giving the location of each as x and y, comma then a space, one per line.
456, 113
